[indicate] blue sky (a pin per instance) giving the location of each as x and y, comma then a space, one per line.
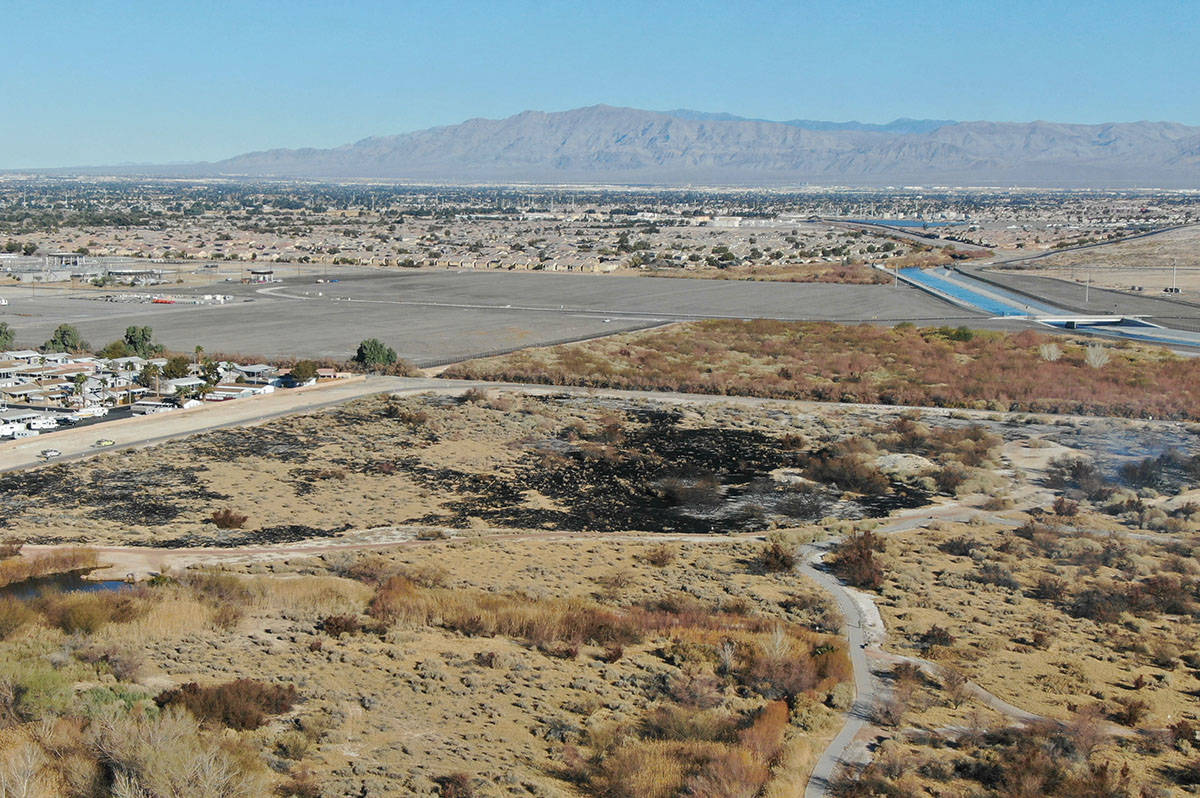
106, 82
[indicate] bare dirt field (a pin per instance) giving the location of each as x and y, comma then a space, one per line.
432, 317
479, 461
1154, 263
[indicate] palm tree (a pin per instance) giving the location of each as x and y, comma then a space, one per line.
199, 351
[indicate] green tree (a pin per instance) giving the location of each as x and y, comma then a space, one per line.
304, 371
212, 373
29, 248
141, 341
176, 368
80, 381
66, 338
149, 376
6, 335
373, 353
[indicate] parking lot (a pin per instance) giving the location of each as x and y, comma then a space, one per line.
432, 317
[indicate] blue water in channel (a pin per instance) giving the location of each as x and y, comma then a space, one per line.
984, 303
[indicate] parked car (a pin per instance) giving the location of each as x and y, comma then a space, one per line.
48, 453
100, 444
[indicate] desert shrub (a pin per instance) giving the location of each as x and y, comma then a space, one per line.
156, 755
1129, 711
612, 653
935, 636
849, 471
14, 613
793, 441
992, 573
661, 555
560, 650
371, 569
855, 562
1101, 603
300, 785
10, 548
671, 721
293, 744
409, 416
228, 616
216, 589
1049, 588
473, 396
958, 547
776, 557
955, 685
338, 625
949, 477
1080, 474
240, 704
227, 518
483, 614
454, 785
696, 687
123, 662
764, 736
1064, 507
88, 612
432, 533
734, 773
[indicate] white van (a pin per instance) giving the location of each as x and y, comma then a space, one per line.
25, 433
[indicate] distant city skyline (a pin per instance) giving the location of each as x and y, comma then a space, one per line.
112, 82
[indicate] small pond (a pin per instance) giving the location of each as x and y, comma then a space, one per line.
68, 582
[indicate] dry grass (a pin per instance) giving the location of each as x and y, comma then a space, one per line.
19, 568
495, 665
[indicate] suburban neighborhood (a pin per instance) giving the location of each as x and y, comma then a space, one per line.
42, 391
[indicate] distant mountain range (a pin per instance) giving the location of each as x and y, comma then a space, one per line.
606, 145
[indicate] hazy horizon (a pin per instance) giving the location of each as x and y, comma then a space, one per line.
135, 82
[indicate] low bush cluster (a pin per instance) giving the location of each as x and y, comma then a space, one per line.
240, 704
902, 365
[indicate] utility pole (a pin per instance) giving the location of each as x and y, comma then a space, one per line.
1174, 266
1087, 289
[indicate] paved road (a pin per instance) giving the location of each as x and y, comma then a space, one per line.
79, 442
